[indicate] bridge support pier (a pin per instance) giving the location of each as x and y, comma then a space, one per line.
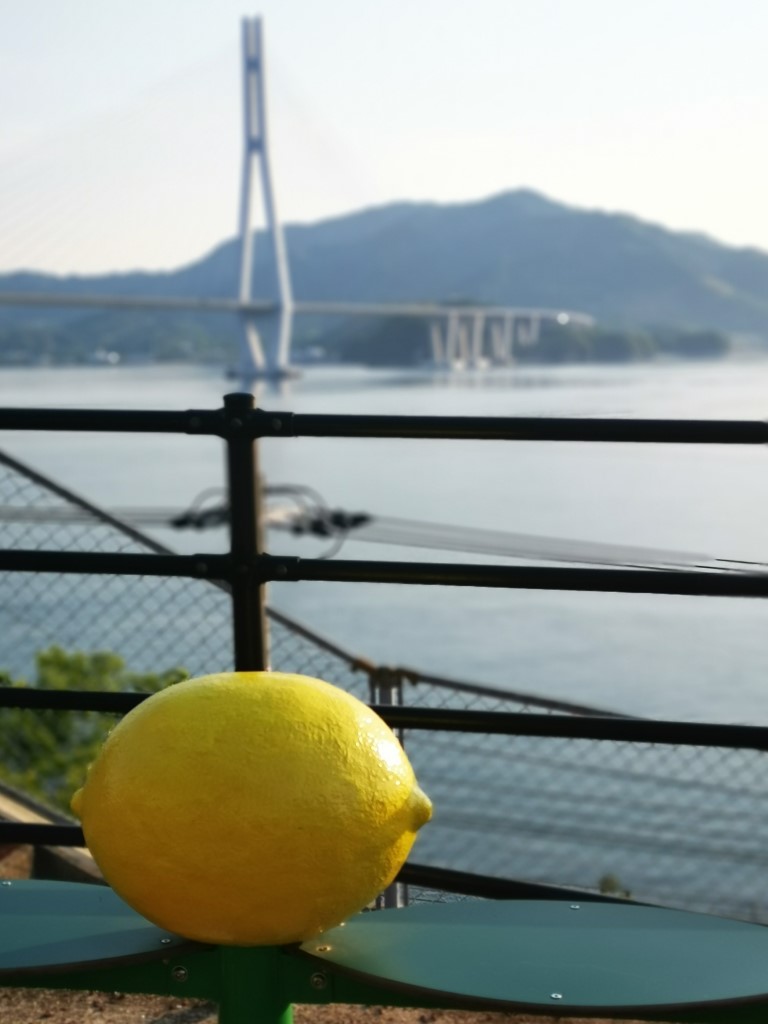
477, 358
472, 339
437, 344
265, 345
448, 339
502, 336
529, 331
251, 362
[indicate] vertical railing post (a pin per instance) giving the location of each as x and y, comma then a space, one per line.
386, 688
249, 617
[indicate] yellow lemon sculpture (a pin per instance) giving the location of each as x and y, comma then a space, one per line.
250, 808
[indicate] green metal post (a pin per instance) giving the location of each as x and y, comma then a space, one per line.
251, 987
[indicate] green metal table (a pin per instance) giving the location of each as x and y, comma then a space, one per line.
56, 926
556, 957
550, 957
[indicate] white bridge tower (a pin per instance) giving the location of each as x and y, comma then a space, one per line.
264, 351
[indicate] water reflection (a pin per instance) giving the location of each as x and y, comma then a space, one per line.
345, 378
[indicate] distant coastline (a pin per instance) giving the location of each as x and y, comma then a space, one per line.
651, 291
396, 343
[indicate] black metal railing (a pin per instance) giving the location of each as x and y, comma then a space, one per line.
245, 568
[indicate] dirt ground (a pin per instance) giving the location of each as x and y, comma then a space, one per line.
20, 1007
35, 1006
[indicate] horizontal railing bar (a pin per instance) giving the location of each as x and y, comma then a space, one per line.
586, 727
506, 723
41, 834
522, 428
138, 421
261, 423
468, 883
633, 581
217, 567
42, 699
445, 879
267, 567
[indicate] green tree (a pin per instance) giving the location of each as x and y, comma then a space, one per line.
622, 346
392, 341
557, 343
702, 345
47, 753
610, 885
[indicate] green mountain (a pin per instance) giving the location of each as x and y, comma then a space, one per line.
518, 248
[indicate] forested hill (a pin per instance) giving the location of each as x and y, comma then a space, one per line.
517, 248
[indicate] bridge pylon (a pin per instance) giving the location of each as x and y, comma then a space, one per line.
265, 340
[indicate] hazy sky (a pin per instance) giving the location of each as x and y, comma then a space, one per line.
120, 145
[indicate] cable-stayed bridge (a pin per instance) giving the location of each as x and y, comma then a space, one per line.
461, 336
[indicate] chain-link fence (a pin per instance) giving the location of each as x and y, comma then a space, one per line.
686, 826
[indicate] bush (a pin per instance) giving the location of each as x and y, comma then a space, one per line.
46, 753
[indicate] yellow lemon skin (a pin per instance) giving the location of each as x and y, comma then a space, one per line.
250, 808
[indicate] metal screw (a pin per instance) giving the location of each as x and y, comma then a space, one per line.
323, 949
556, 995
575, 906
318, 980
165, 942
179, 973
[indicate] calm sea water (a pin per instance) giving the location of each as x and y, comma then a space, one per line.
699, 659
